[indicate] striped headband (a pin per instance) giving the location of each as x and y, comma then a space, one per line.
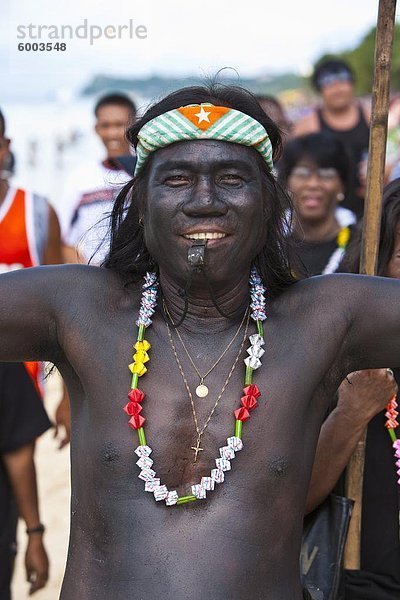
202, 122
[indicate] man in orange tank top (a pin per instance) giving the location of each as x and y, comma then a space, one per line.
29, 236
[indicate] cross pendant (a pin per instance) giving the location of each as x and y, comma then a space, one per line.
196, 449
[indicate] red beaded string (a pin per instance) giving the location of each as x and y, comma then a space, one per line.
391, 424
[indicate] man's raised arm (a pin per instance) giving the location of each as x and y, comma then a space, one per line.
28, 306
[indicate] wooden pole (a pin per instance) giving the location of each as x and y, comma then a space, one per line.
370, 240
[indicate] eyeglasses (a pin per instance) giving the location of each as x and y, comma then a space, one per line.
323, 173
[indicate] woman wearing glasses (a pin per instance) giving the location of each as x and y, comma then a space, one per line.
316, 170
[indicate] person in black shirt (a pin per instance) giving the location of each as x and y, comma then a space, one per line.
316, 170
341, 115
22, 420
317, 222
379, 576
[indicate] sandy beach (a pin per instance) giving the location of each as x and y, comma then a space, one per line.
54, 493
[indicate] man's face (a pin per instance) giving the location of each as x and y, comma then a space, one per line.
393, 266
338, 95
112, 121
315, 190
205, 187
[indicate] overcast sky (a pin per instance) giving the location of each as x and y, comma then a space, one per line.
183, 37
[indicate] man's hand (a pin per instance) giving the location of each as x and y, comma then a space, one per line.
363, 394
63, 419
36, 563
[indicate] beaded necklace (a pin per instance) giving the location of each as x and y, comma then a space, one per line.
136, 396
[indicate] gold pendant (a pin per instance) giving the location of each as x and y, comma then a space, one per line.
202, 391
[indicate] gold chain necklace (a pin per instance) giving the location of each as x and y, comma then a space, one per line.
202, 389
200, 432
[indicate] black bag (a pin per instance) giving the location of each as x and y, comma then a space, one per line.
324, 538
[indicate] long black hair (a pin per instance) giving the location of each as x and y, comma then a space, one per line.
389, 223
128, 254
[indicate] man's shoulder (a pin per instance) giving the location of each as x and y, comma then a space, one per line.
91, 282
321, 288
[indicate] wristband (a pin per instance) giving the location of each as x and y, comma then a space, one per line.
38, 529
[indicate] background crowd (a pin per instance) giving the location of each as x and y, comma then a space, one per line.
324, 166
